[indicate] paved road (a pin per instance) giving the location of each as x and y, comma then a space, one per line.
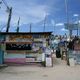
59, 72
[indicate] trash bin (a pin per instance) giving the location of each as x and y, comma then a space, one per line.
48, 60
72, 62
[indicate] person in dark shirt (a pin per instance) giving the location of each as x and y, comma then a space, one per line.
71, 45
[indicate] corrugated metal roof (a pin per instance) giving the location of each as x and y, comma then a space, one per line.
5, 33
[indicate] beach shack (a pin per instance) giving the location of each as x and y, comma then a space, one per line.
23, 47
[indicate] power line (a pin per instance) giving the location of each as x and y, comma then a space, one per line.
9, 9
5, 3
2, 29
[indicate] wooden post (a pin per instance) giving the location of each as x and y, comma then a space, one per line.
30, 27
18, 25
9, 19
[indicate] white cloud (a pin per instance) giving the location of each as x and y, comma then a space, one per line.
75, 15
59, 24
32, 14
79, 21
29, 12
63, 29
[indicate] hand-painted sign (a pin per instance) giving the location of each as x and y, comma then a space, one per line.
19, 37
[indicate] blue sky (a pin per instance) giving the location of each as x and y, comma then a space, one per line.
34, 11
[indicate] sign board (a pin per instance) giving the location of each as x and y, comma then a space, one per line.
20, 38
48, 62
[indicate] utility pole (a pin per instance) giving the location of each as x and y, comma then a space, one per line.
67, 17
0, 3
0, 7
77, 20
30, 27
44, 24
18, 25
9, 19
77, 26
9, 10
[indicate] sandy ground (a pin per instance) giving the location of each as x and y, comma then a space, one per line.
60, 71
